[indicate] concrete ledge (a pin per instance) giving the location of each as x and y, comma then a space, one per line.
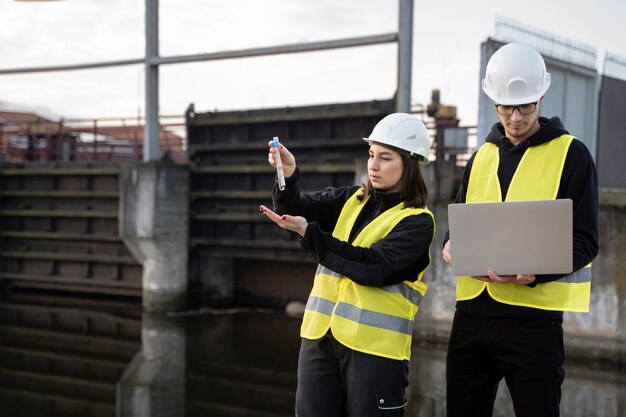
612, 197
580, 348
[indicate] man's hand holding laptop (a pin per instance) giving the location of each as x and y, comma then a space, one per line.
491, 275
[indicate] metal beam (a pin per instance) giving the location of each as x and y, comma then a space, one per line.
151, 145
213, 56
281, 49
72, 66
405, 55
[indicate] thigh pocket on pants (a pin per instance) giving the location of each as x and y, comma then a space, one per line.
391, 403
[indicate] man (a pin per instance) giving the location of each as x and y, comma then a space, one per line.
511, 326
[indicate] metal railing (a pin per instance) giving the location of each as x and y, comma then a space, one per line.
548, 43
88, 140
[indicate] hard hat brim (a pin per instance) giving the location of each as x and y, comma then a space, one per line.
517, 101
421, 158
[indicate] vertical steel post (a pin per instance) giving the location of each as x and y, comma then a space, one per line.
151, 148
405, 49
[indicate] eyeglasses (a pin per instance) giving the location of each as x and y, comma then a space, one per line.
523, 109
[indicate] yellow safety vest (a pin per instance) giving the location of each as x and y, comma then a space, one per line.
374, 320
537, 177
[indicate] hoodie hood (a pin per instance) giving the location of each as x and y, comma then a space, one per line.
550, 129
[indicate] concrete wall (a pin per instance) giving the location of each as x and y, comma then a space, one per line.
612, 133
153, 224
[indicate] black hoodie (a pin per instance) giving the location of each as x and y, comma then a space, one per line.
578, 182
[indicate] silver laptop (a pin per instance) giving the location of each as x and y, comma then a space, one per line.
518, 237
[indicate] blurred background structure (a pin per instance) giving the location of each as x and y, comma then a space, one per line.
156, 215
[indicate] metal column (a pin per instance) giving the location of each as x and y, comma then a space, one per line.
405, 48
151, 147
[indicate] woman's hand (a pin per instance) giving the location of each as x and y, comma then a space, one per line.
296, 224
287, 158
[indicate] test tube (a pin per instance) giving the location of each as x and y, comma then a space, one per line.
279, 164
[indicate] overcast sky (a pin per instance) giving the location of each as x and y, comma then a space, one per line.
446, 54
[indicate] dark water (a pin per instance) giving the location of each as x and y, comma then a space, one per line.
73, 357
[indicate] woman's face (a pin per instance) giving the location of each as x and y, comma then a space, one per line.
385, 168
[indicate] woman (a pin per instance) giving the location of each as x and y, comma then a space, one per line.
372, 245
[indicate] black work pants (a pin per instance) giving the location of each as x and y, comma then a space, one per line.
335, 381
526, 351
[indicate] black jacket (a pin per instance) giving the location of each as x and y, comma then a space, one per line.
578, 182
399, 256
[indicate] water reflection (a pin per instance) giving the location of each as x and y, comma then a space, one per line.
62, 357
153, 383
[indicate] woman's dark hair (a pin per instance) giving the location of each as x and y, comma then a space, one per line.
414, 192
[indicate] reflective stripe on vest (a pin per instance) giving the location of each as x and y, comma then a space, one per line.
374, 320
403, 289
537, 177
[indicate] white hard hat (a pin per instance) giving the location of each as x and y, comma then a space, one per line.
516, 74
405, 132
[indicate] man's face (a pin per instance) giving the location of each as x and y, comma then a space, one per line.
521, 121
